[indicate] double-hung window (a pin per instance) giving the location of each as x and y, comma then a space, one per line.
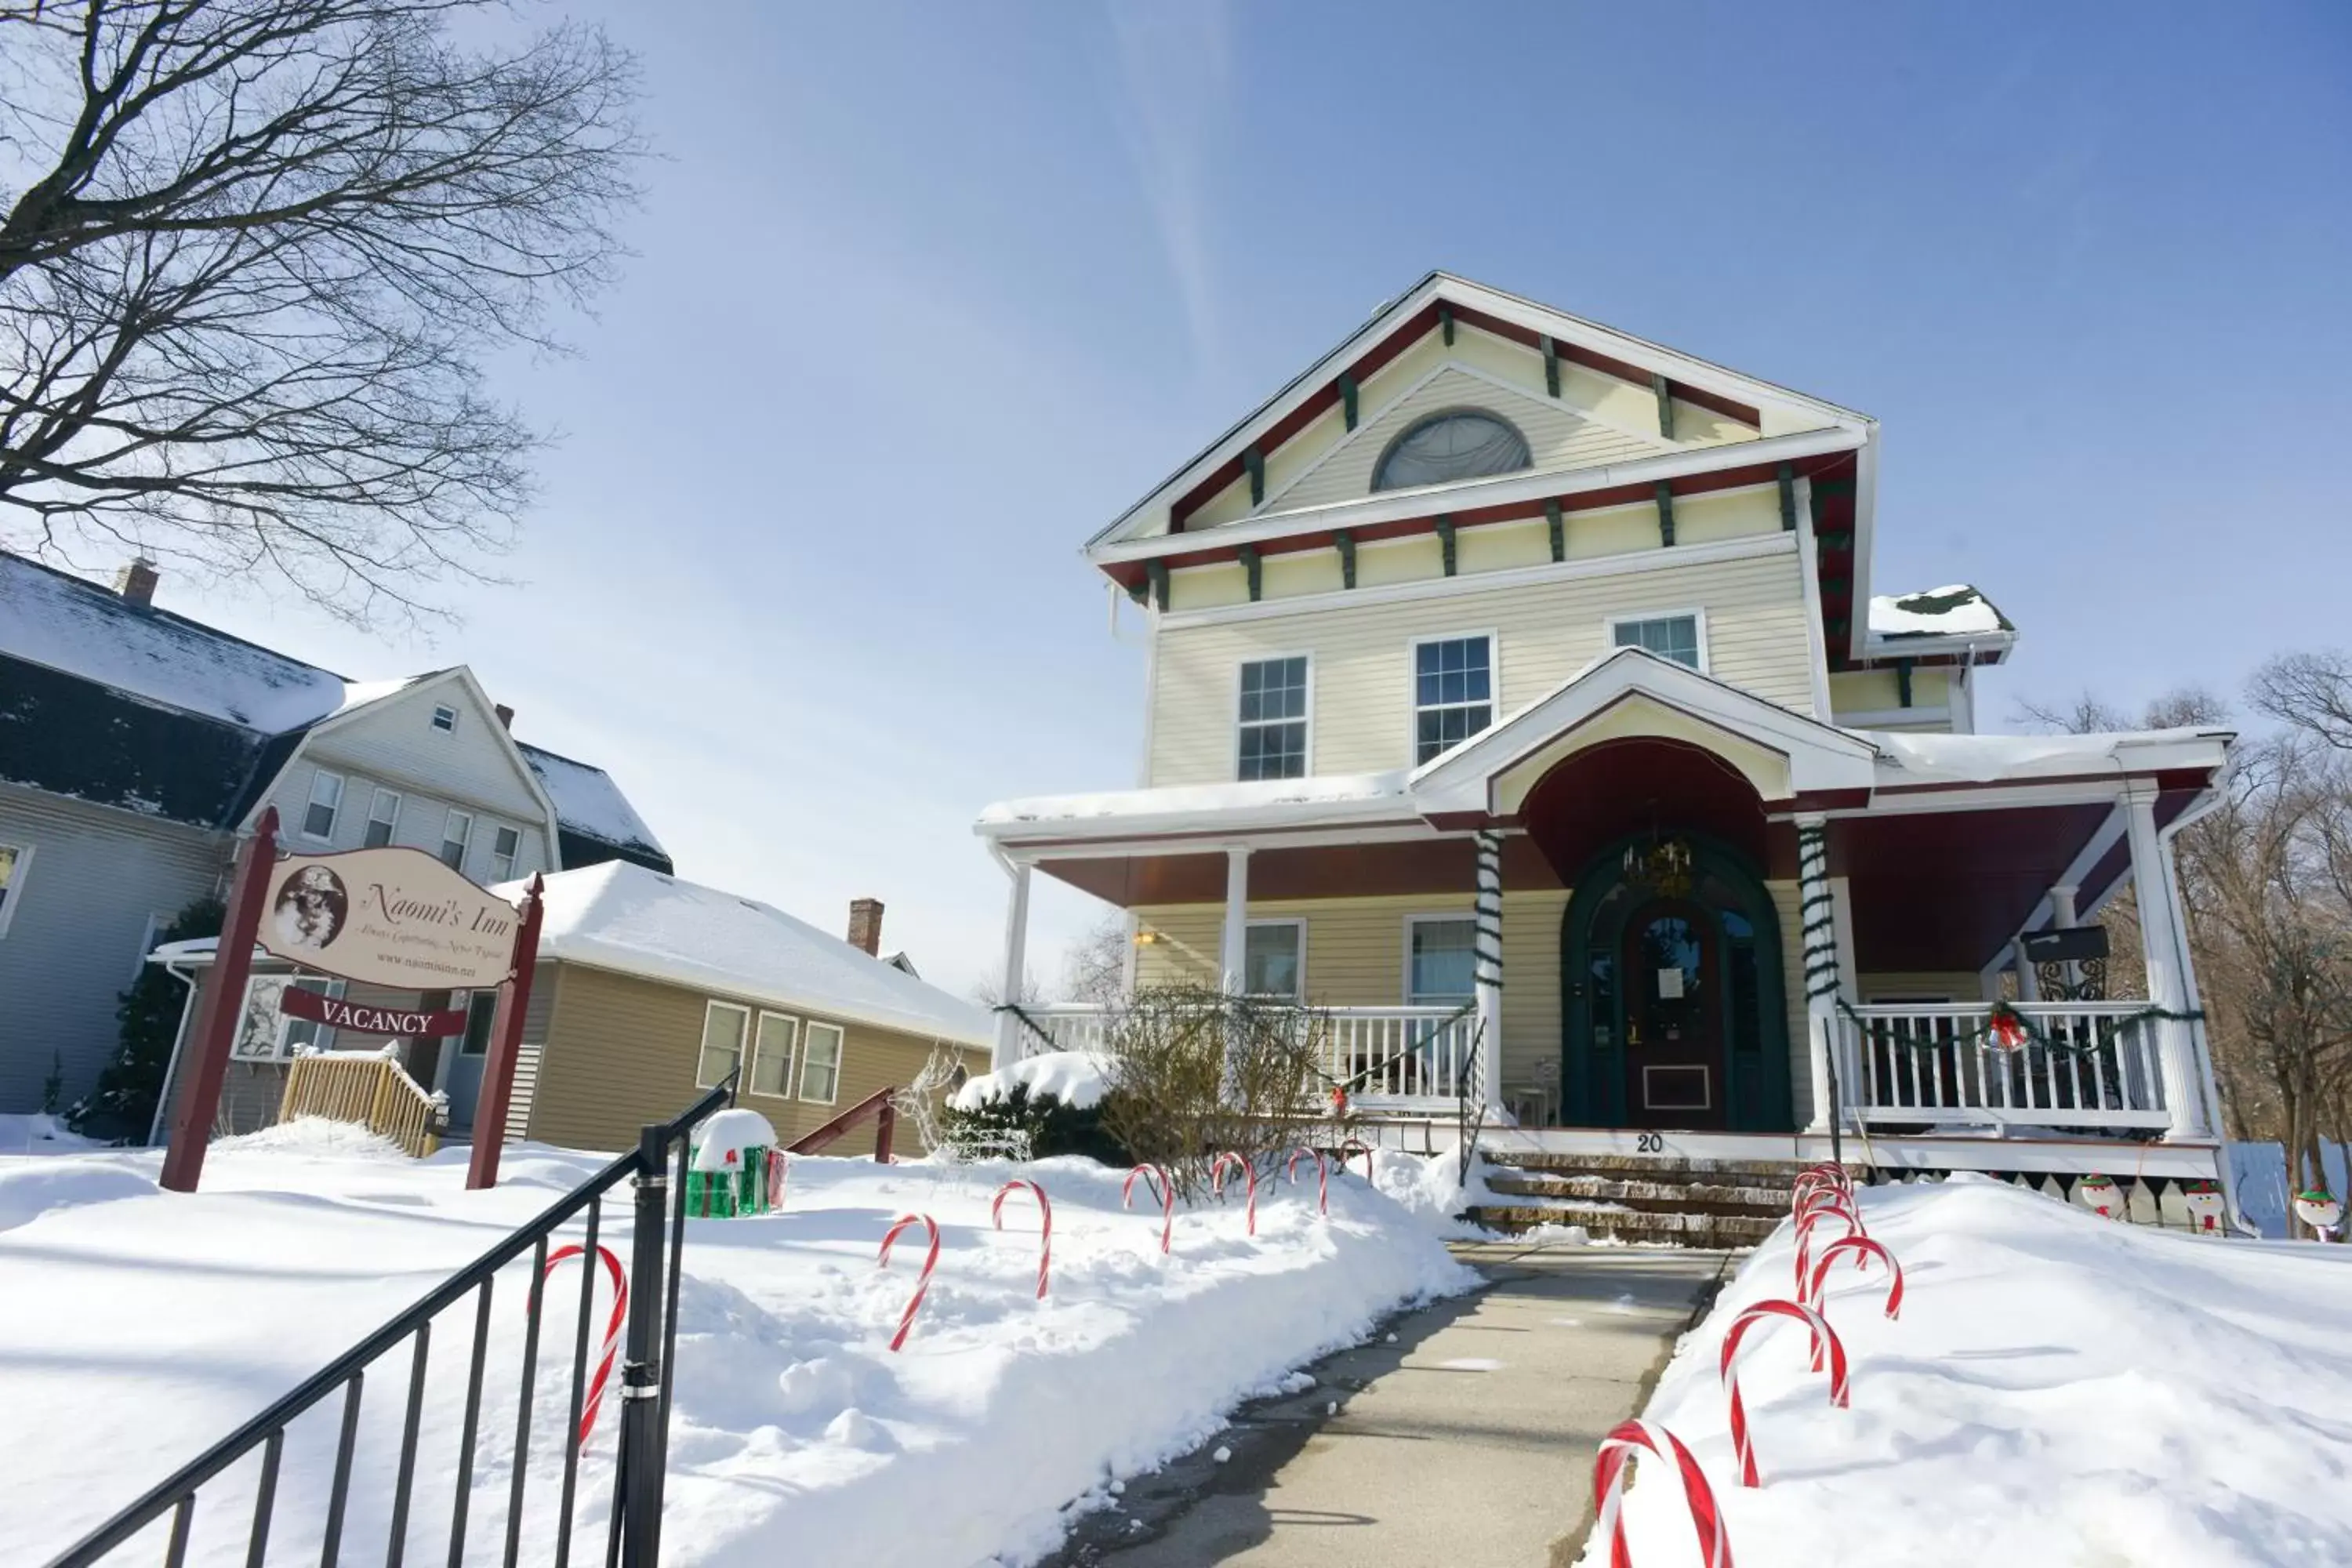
383, 815
457, 833
724, 1025
1272, 959
771, 1055
1669, 636
15, 860
1440, 951
1452, 693
820, 1062
326, 800
504, 843
1274, 718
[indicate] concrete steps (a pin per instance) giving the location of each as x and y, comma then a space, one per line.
1675, 1203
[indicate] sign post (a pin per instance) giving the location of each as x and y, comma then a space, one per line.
506, 1045
220, 1008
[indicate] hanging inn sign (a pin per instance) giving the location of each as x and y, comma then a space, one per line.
388, 917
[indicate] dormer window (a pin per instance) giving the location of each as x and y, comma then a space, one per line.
1459, 444
445, 718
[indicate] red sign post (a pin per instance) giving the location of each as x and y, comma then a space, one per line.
220, 1008
506, 1045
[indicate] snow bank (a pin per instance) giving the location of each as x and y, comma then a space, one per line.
2060, 1389
39, 1133
143, 1325
1077, 1078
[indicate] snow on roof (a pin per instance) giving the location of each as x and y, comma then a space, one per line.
588, 801
65, 623
622, 916
1179, 800
1921, 758
1956, 610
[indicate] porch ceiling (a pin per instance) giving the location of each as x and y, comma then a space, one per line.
1944, 890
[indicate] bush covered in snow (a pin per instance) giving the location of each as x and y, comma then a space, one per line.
1022, 1122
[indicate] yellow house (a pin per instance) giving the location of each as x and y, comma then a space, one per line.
1517, 693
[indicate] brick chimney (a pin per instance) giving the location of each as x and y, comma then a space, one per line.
505, 713
866, 926
136, 582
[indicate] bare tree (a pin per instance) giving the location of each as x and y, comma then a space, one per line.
2310, 692
1095, 969
254, 254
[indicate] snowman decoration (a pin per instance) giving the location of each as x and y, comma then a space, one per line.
2320, 1209
2204, 1200
2101, 1196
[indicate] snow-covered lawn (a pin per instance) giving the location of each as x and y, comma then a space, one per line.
2059, 1390
137, 1326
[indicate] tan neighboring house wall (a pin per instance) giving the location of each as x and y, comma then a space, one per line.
606, 1053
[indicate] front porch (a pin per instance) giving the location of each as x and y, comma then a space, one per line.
1653, 912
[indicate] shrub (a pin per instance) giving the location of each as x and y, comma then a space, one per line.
123, 1105
1021, 1126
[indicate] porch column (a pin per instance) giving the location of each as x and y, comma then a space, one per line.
1235, 961
2061, 918
1817, 917
1015, 974
2029, 983
1487, 966
2164, 949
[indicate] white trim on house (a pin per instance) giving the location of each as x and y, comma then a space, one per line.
1307, 719
809, 1028
1817, 646
1520, 486
13, 895
310, 803
759, 1056
391, 825
1468, 917
464, 842
1647, 559
1695, 612
1413, 705
1252, 923
1527, 314
702, 1045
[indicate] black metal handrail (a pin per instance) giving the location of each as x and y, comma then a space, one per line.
648, 1162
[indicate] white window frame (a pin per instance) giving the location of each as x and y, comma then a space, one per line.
1430, 917
434, 721
1234, 706
809, 1027
1412, 687
392, 823
14, 894
791, 1052
465, 845
1699, 620
334, 812
1253, 923
702, 1040
514, 856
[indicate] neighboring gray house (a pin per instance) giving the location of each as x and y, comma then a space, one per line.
136, 746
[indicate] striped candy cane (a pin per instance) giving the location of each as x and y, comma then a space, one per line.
1044, 1208
1322, 1177
1229, 1161
1864, 1248
613, 1270
1160, 1186
776, 1176
1805, 1223
1353, 1146
922, 1280
1617, 1452
1823, 1336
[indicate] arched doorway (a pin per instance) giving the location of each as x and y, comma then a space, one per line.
1673, 1008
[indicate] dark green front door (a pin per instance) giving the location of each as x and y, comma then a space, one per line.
1672, 1000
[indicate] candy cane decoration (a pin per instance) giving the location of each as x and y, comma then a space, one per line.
1823, 1335
1617, 1452
1819, 1178
596, 1399
1229, 1161
1805, 1223
1862, 1246
922, 1280
776, 1178
1161, 1185
1322, 1177
1046, 1248
1353, 1146
1842, 1202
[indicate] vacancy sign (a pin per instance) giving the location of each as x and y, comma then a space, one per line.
387, 917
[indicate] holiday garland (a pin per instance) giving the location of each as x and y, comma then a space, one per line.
2008, 1029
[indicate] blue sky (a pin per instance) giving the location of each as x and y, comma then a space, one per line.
922, 297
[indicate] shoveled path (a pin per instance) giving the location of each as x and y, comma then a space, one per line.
1465, 1435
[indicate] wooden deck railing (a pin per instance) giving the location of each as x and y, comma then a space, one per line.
1414, 1059
366, 1087
2093, 1065
877, 1108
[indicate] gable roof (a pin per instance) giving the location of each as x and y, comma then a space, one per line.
595, 821
1410, 315
624, 917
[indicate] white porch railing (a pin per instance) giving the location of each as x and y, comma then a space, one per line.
1388, 1058
1905, 1063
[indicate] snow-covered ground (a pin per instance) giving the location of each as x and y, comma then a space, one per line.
137, 1326
2060, 1389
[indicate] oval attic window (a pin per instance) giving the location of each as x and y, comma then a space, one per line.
1460, 443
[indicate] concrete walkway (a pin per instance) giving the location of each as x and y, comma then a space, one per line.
1469, 1439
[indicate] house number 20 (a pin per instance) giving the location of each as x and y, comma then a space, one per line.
1650, 1143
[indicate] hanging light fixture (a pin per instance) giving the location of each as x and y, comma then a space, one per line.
1661, 864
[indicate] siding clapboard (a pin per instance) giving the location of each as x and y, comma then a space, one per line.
1360, 655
